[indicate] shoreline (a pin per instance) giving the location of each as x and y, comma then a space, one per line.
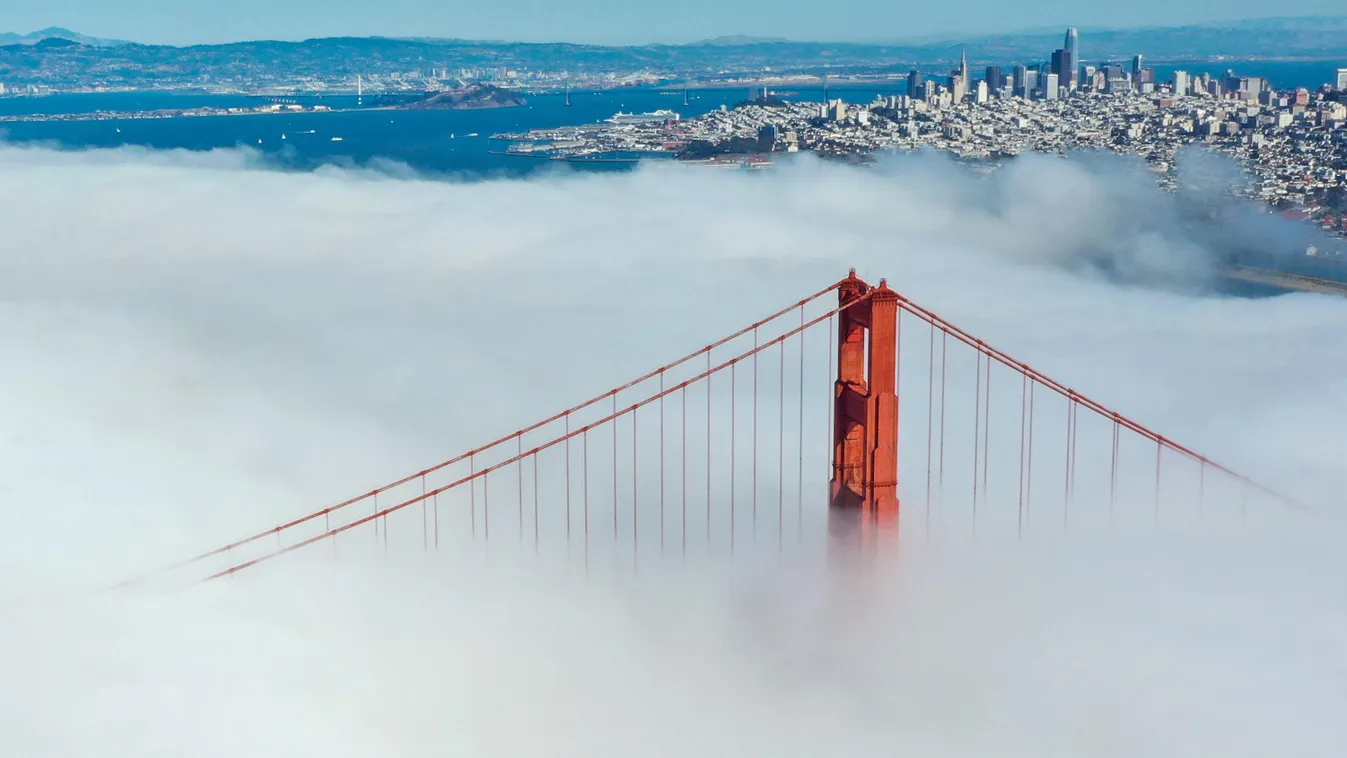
166, 114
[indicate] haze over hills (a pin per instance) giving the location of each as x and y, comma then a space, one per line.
56, 32
60, 58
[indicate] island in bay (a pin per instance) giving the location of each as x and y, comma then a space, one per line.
470, 97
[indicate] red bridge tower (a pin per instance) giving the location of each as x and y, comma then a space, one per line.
865, 428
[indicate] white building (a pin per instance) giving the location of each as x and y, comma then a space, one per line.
1342, 78
1050, 86
1182, 85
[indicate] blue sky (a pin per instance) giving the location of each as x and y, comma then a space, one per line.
605, 21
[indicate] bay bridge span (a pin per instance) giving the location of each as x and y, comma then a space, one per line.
853, 412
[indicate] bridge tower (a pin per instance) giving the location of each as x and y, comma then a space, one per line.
864, 489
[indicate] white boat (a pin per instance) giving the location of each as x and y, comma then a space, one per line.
652, 117
336, 139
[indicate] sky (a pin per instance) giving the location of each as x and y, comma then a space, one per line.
203, 346
604, 21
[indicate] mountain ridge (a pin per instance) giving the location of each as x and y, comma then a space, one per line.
57, 32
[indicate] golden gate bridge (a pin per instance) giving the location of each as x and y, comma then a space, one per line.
925, 430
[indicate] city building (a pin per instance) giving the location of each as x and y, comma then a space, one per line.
994, 79
1072, 46
1182, 85
1342, 79
1063, 65
1051, 83
916, 82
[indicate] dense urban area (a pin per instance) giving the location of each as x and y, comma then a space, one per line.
1292, 142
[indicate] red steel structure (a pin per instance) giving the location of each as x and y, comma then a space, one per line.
722, 450
865, 427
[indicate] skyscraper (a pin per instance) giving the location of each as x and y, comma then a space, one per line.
1136, 67
1072, 46
1021, 83
915, 84
958, 81
1181, 84
1342, 78
994, 79
1063, 65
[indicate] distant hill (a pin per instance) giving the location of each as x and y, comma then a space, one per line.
1282, 37
56, 32
59, 58
472, 97
733, 40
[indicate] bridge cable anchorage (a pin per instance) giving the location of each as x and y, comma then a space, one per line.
492, 468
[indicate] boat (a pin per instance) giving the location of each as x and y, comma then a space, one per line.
653, 117
336, 139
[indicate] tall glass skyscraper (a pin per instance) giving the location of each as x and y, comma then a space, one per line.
1072, 46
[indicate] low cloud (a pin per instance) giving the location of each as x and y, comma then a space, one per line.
198, 346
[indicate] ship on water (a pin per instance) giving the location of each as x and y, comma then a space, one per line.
653, 117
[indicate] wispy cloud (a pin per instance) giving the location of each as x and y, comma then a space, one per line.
196, 346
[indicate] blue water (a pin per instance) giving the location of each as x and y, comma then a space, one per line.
434, 142
1283, 75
